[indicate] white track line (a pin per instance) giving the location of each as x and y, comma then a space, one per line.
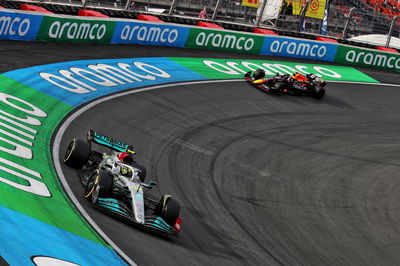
71, 118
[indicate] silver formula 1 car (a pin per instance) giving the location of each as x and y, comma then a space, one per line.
115, 182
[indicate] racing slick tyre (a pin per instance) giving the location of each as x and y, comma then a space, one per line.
99, 184
259, 74
170, 209
247, 75
142, 171
318, 92
77, 153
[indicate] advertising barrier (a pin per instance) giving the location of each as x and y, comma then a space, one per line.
281, 46
19, 26
224, 40
150, 34
57, 29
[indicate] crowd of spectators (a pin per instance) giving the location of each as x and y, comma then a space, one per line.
390, 8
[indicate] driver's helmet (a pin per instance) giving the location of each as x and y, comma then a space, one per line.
126, 171
299, 77
126, 156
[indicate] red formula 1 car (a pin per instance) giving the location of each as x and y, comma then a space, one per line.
295, 84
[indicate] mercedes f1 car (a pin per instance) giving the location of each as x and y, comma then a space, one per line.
115, 183
296, 84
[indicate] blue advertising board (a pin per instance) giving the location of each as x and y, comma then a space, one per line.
290, 47
150, 34
19, 26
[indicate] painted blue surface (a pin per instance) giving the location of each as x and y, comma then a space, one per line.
150, 34
74, 89
281, 46
27, 237
19, 26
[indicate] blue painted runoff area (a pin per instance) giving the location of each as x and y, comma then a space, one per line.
78, 82
40, 239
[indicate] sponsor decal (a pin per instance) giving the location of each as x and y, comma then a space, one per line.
75, 30
19, 26
95, 78
19, 137
150, 34
224, 40
299, 48
368, 58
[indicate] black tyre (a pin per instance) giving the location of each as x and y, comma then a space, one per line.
100, 184
318, 92
170, 210
142, 169
259, 74
247, 75
77, 153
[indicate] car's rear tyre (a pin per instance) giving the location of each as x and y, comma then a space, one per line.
77, 153
318, 92
259, 74
100, 184
142, 171
170, 209
247, 75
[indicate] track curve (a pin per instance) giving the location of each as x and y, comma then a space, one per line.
262, 179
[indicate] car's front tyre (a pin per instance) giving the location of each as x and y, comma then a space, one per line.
170, 209
77, 153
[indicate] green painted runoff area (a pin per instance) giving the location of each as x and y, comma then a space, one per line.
198, 65
55, 209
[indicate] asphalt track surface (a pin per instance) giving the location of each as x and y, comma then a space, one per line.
262, 179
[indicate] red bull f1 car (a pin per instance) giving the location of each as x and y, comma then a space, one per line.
296, 84
115, 183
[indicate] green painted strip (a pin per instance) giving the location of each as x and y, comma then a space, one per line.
231, 68
27, 184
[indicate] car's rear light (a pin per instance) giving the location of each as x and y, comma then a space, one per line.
177, 225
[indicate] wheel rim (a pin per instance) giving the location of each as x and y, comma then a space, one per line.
69, 150
92, 185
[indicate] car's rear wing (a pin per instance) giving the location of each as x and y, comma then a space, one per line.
103, 140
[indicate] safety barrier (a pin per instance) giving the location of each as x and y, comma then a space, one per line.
27, 26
